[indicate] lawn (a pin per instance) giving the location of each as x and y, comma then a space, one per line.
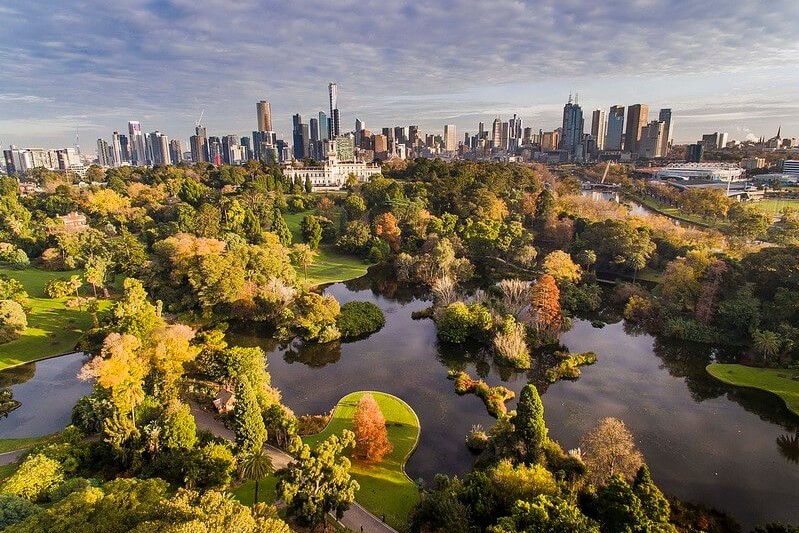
385, 488
330, 265
773, 206
782, 382
53, 329
674, 213
7, 470
245, 492
10, 445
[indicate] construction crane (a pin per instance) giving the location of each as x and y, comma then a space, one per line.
605, 175
199, 120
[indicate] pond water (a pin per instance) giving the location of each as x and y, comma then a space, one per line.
46, 390
726, 447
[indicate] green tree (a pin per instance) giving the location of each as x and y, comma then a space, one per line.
248, 424
280, 228
354, 206
13, 321
179, 428
319, 482
311, 231
256, 466
766, 343
529, 424
550, 514
34, 477
97, 269
654, 505
14, 509
133, 314
303, 255
308, 185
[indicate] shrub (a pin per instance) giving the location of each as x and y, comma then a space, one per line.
14, 509
34, 478
312, 424
493, 397
458, 321
359, 318
477, 439
568, 368
510, 344
58, 288
13, 321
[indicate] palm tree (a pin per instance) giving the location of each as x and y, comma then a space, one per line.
789, 447
255, 467
766, 343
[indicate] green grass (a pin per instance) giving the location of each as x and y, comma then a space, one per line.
10, 445
330, 265
782, 382
775, 205
385, 488
53, 329
7, 470
245, 492
673, 212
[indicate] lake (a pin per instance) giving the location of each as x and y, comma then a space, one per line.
704, 441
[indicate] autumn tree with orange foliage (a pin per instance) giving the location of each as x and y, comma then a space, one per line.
545, 311
371, 437
386, 228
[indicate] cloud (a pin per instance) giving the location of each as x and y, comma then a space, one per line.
161, 61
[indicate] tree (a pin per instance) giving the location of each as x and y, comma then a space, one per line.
97, 268
544, 207
280, 228
609, 449
529, 425
308, 185
34, 477
766, 343
458, 321
387, 229
560, 266
654, 505
354, 206
316, 317
255, 466
248, 424
303, 255
355, 238
179, 428
371, 436
319, 482
545, 305
311, 231
133, 314
13, 321
747, 223
14, 509
552, 514
359, 318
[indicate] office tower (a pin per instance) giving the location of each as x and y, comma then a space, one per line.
301, 138
138, 152
450, 138
246, 145
264, 111
175, 151
694, 153
359, 127
496, 133
116, 150
230, 144
722, 140
651, 141
215, 150
550, 140
380, 144
102, 153
514, 133
413, 135
598, 128
315, 145
637, 117
572, 129
159, 148
261, 141
400, 135
615, 130
124, 147
668, 134
199, 145
324, 126
335, 119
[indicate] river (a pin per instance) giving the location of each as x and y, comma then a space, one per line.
704, 441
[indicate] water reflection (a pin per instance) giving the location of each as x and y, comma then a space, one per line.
705, 441
789, 447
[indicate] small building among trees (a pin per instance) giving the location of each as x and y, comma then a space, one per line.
225, 401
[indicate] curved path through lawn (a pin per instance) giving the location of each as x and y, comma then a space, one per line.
356, 517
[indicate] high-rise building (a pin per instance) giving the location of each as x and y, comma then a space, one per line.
450, 138
175, 151
615, 130
247, 147
264, 111
651, 143
199, 145
335, 117
668, 133
124, 147
413, 135
116, 150
315, 144
599, 128
215, 150
138, 152
505, 136
573, 126
102, 153
637, 118
694, 153
550, 140
301, 138
324, 126
496, 133
360, 125
230, 149
158, 148
380, 143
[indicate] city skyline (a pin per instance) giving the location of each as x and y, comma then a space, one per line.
162, 63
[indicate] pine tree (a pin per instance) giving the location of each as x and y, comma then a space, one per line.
654, 505
371, 436
248, 424
281, 229
529, 424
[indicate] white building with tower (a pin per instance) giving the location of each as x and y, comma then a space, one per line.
332, 173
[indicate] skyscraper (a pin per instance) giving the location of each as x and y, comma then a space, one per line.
116, 150
301, 138
315, 144
598, 128
614, 136
651, 143
136, 143
324, 126
102, 153
335, 118
573, 126
637, 117
175, 152
496, 133
264, 115
159, 148
359, 127
215, 150
199, 145
668, 134
450, 138
230, 145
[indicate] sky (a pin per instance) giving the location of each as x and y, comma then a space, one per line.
91, 65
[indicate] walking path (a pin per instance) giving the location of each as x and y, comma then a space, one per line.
11, 457
355, 518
